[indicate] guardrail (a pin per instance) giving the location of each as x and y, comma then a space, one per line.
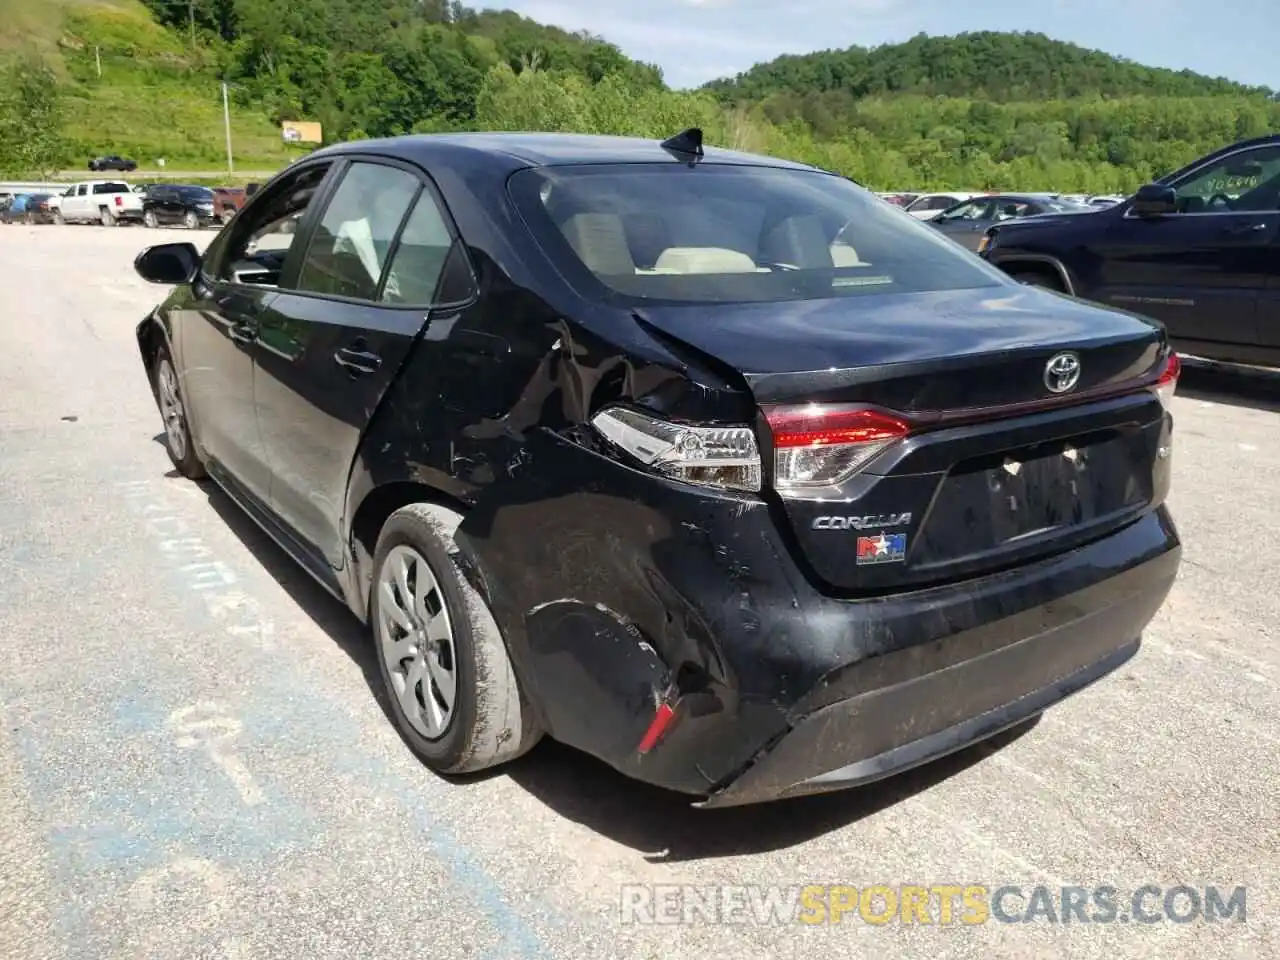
16, 187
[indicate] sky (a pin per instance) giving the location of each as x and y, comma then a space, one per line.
699, 40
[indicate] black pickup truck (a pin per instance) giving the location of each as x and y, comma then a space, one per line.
1198, 250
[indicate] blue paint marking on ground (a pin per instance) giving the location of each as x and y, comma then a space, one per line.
127, 818
108, 824
331, 732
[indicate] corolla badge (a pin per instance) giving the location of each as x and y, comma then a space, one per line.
1062, 372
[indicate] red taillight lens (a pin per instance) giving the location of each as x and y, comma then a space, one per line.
1168, 381
119, 201
817, 445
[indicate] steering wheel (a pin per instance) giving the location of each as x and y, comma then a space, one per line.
1213, 200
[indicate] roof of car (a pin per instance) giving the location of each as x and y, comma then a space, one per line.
515, 150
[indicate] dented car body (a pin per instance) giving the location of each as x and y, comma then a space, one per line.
769, 489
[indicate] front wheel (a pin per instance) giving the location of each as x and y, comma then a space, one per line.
191, 220
149, 219
177, 433
451, 685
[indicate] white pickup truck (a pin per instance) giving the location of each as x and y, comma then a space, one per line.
97, 201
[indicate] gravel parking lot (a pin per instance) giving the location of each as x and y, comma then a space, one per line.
193, 762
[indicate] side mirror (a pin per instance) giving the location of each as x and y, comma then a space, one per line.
171, 264
1155, 200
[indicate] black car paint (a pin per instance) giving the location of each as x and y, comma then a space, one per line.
172, 204
1213, 280
616, 589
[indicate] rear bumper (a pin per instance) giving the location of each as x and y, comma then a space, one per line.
879, 734
779, 689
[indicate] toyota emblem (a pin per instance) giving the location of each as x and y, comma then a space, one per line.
1062, 372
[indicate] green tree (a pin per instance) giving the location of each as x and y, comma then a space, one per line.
31, 138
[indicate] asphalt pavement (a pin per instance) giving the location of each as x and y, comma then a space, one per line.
195, 761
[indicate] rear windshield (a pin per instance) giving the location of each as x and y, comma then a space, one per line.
716, 233
100, 188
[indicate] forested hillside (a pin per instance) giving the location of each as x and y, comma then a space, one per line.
1003, 67
989, 110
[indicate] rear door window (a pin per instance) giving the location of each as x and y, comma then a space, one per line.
354, 236
725, 233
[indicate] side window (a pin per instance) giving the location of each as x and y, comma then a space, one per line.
939, 203
82, 189
973, 210
354, 237
255, 251
1247, 181
420, 257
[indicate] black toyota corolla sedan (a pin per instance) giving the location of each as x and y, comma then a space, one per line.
711, 465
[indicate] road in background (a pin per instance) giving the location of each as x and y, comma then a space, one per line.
239, 175
194, 760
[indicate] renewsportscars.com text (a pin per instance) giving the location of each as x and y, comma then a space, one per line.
939, 904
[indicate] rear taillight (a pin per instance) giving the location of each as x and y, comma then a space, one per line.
818, 445
119, 201
1167, 383
716, 456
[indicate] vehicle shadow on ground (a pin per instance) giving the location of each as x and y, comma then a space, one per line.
1259, 389
661, 825
666, 828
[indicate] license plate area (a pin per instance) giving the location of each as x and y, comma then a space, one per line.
1000, 502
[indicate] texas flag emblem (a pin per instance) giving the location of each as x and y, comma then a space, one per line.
882, 548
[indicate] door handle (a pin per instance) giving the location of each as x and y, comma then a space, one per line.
243, 333
1246, 228
357, 362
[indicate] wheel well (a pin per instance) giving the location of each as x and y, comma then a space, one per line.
150, 340
1037, 268
379, 504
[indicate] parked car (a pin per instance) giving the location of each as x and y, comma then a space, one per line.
228, 200
103, 201
1197, 251
967, 222
28, 208
595, 455
898, 199
112, 162
167, 203
929, 205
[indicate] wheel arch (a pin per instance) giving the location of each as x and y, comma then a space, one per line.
1043, 263
151, 336
369, 515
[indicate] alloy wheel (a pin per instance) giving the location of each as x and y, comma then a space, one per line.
416, 641
192, 220
149, 218
175, 418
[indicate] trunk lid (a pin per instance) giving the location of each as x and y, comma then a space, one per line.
997, 468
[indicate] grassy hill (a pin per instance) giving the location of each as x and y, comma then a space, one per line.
980, 110
155, 98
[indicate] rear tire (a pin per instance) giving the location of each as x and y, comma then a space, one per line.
149, 219
106, 217
59, 219
443, 635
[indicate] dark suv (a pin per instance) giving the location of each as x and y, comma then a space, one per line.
1198, 250
712, 465
193, 207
